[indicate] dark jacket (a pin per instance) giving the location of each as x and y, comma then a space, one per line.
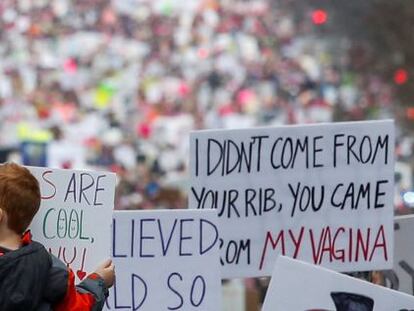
31, 279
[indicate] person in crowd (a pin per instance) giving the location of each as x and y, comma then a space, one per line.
30, 277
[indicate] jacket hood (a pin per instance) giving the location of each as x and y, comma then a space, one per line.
23, 273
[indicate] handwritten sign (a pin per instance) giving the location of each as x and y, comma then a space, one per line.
166, 260
401, 277
75, 216
299, 286
320, 193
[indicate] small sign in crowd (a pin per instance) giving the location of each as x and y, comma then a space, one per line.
298, 203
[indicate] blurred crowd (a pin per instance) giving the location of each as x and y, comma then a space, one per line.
119, 85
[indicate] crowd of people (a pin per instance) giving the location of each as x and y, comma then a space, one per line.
118, 85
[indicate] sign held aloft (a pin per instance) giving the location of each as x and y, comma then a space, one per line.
166, 260
319, 193
299, 286
401, 277
75, 215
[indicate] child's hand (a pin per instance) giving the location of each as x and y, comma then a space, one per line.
107, 272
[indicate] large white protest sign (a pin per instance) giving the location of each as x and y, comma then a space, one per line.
401, 277
74, 219
166, 260
299, 286
319, 193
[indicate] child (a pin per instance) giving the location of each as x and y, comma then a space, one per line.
30, 277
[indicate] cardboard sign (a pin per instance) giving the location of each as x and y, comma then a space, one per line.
401, 277
74, 219
166, 260
299, 286
319, 193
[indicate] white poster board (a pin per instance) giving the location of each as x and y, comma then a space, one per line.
75, 215
401, 277
299, 286
319, 193
166, 260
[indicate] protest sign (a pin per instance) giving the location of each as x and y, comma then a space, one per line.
166, 260
319, 193
299, 286
34, 153
74, 219
401, 277
64, 154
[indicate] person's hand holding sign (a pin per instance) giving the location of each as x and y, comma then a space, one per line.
107, 272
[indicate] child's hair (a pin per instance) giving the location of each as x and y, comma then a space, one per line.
19, 196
